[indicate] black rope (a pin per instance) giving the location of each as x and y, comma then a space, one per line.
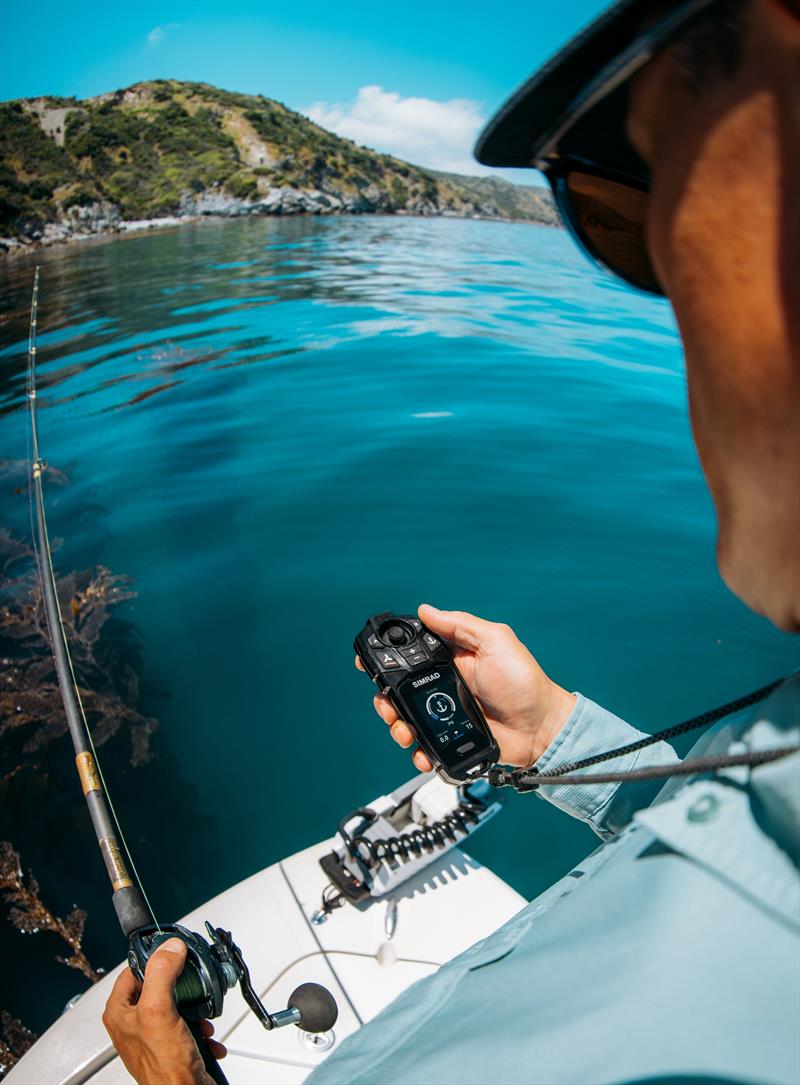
530, 779
693, 724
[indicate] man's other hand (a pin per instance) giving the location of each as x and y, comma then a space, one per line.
151, 1038
524, 709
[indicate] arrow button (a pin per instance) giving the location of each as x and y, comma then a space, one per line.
388, 661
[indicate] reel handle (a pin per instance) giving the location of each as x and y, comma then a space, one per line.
211, 1065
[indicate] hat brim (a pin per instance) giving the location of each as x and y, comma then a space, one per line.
522, 127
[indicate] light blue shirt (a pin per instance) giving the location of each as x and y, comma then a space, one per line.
671, 954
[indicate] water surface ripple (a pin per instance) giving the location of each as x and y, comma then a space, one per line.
279, 426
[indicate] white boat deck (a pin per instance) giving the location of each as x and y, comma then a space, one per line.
269, 916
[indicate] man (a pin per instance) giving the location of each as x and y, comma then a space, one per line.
670, 131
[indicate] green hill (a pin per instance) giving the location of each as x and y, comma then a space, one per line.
167, 148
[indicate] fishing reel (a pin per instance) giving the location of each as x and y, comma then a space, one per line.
213, 967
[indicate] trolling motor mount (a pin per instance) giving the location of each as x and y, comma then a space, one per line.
379, 847
214, 967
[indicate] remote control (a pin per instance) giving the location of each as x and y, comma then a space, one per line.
415, 669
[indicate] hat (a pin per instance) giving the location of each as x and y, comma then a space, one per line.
578, 100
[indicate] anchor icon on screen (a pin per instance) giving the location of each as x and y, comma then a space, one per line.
441, 706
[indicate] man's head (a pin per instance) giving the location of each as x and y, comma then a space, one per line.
713, 124
723, 232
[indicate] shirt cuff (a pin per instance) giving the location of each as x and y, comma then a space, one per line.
592, 730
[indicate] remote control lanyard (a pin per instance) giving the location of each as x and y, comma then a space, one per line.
531, 779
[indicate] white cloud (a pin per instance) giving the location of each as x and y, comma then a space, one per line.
158, 33
439, 135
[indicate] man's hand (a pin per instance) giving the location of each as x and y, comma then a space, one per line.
524, 709
151, 1038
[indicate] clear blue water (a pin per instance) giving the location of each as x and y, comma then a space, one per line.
278, 427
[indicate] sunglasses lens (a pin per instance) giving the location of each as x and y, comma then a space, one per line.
609, 217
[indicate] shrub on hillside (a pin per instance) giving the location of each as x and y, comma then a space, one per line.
399, 192
242, 186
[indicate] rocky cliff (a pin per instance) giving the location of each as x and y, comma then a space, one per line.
170, 150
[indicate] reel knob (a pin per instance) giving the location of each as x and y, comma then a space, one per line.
316, 1006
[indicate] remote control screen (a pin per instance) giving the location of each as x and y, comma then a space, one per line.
439, 708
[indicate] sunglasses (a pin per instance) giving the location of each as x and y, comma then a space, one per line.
605, 211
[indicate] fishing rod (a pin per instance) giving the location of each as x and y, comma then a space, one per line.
214, 964
129, 899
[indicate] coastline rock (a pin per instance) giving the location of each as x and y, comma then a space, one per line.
283, 200
293, 201
76, 223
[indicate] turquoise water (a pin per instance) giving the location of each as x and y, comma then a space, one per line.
278, 427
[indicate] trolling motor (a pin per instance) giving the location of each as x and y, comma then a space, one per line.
213, 965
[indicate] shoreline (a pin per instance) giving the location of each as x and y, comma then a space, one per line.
180, 151
11, 248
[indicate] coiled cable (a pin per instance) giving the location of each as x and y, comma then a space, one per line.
411, 845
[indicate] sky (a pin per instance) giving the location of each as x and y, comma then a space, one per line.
417, 78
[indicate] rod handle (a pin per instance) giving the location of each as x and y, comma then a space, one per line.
132, 910
212, 1066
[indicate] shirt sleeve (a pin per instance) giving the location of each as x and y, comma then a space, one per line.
591, 730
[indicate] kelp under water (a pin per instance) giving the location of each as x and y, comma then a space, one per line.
15, 1040
30, 700
107, 670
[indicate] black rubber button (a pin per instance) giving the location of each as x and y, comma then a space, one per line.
396, 634
388, 662
414, 655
